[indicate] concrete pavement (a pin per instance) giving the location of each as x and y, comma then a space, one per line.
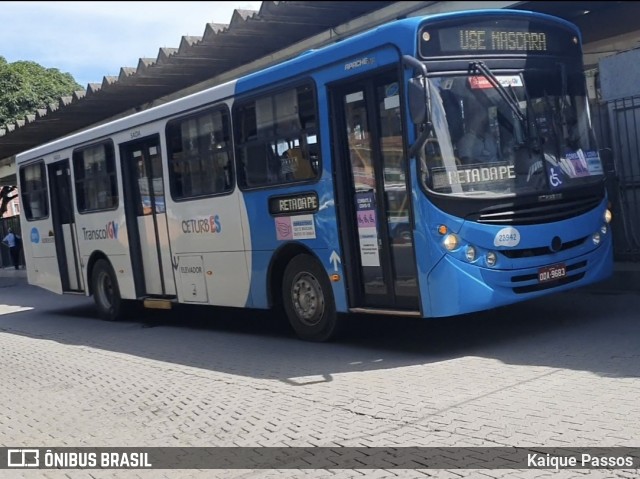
560, 371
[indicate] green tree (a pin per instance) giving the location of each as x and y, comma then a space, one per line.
26, 86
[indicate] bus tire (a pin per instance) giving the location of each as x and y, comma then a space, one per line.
106, 293
308, 299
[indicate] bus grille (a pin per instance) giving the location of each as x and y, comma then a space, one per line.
551, 284
539, 213
529, 252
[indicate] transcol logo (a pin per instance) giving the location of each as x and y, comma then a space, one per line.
110, 231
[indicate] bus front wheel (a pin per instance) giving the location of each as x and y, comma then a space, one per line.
308, 299
106, 293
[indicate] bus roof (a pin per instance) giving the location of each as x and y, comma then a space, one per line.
383, 34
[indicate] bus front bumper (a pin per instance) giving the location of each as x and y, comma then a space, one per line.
456, 287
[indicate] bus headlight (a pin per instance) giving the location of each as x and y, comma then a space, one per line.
604, 229
596, 238
607, 216
450, 242
491, 258
470, 253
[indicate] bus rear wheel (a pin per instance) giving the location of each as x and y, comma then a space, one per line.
308, 299
106, 293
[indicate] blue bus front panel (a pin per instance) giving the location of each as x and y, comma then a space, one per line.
526, 270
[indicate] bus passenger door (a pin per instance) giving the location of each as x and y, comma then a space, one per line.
146, 217
373, 179
64, 226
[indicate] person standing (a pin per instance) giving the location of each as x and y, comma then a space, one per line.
13, 242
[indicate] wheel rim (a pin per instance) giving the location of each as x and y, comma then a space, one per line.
307, 298
104, 291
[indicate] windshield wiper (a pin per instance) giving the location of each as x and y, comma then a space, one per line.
567, 113
526, 122
502, 91
554, 118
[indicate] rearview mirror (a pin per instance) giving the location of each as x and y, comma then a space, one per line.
606, 157
418, 92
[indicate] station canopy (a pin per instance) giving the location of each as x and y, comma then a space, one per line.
250, 35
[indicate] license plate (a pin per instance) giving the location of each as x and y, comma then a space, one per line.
552, 273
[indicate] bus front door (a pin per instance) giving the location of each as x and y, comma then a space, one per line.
64, 226
373, 183
146, 217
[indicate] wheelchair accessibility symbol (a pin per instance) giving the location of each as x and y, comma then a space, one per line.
554, 178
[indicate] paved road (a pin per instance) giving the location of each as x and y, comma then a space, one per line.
561, 371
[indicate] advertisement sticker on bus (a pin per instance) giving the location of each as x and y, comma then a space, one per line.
575, 164
580, 163
480, 82
295, 227
594, 164
367, 230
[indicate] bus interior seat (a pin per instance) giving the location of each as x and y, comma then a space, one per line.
302, 169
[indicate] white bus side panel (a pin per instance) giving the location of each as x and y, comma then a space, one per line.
44, 272
105, 232
212, 278
210, 229
40, 255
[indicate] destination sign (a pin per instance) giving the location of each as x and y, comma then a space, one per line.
478, 39
294, 204
498, 36
495, 173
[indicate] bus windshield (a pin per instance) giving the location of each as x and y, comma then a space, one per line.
529, 134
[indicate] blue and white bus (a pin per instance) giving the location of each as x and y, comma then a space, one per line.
354, 177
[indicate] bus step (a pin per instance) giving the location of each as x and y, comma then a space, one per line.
390, 312
157, 303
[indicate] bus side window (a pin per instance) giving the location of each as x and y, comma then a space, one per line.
255, 173
273, 142
35, 194
95, 177
310, 140
199, 159
300, 165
